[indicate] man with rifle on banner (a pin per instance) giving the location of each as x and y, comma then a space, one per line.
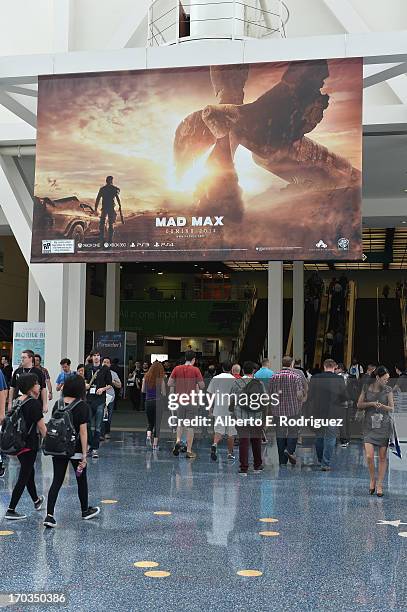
109, 194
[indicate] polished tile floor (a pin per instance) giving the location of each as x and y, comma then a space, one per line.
325, 551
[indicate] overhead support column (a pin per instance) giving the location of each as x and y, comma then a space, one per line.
298, 311
75, 294
113, 297
64, 290
33, 305
275, 314
63, 286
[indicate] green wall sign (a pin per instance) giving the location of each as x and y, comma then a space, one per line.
182, 318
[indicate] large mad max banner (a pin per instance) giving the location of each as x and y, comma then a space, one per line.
237, 162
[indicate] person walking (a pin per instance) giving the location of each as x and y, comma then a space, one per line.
344, 431
376, 400
98, 379
327, 399
143, 372
184, 380
27, 367
3, 400
220, 386
6, 369
37, 363
134, 382
110, 400
402, 377
249, 434
329, 340
291, 387
154, 388
236, 369
74, 394
31, 409
355, 370
265, 372
64, 374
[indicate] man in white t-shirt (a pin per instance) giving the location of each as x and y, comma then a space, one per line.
219, 385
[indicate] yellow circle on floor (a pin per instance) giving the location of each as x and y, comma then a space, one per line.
268, 520
269, 534
109, 501
403, 534
157, 574
249, 572
6, 532
162, 513
146, 564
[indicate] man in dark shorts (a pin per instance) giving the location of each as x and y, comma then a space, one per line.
183, 380
109, 194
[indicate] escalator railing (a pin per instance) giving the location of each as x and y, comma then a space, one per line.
322, 328
350, 322
403, 306
289, 347
244, 324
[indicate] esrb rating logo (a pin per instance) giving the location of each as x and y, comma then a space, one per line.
50, 247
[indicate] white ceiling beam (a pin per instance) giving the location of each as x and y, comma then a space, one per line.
128, 27
62, 14
375, 47
21, 215
347, 16
399, 86
371, 69
12, 134
386, 115
24, 91
385, 75
18, 109
353, 23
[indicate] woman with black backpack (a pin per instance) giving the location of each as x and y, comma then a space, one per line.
73, 401
31, 411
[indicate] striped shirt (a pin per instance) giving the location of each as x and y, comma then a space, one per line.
291, 388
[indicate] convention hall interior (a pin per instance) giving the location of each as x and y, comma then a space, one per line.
176, 525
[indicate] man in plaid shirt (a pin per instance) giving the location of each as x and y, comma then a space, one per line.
291, 387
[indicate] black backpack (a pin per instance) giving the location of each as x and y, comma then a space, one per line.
14, 430
253, 388
61, 437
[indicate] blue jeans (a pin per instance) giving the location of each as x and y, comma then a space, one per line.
286, 440
96, 420
325, 446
